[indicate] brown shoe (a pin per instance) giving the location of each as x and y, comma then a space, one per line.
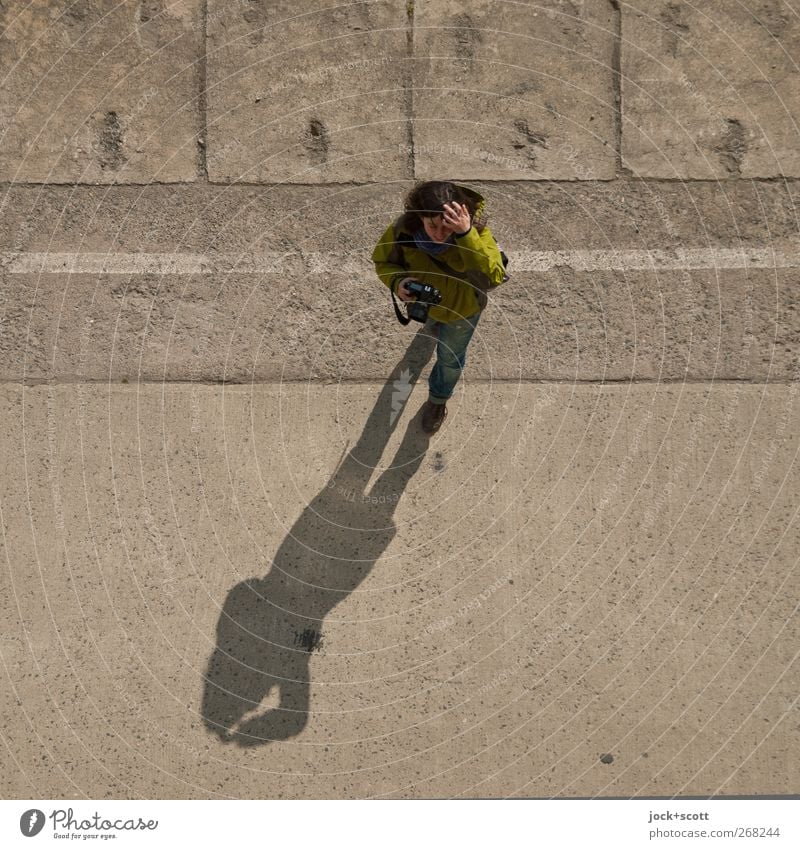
432, 416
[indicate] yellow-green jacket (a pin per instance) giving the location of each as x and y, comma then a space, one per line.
475, 255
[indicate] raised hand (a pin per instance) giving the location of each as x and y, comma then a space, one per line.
456, 215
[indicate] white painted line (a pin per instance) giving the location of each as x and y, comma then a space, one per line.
677, 259
356, 263
137, 263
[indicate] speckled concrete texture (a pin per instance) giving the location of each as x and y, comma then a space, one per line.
284, 591
99, 92
711, 90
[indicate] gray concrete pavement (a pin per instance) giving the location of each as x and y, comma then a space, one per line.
711, 91
564, 572
233, 567
508, 91
100, 92
295, 313
307, 92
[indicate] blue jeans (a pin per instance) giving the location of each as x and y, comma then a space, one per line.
451, 354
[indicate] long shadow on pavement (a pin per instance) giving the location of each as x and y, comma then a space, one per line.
269, 626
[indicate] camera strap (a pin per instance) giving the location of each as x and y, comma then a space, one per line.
397, 257
400, 317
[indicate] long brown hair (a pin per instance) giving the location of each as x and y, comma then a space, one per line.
428, 199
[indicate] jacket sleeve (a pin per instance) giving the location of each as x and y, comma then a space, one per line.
483, 254
387, 257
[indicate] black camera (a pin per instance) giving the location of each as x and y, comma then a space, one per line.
425, 296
